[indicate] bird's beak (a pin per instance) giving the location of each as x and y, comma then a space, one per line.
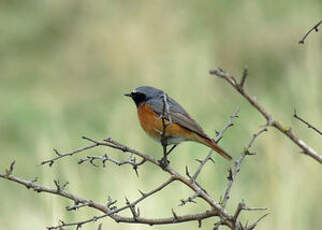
128, 95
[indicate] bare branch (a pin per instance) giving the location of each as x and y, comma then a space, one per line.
190, 199
270, 122
50, 162
233, 172
76, 206
307, 123
59, 190
175, 176
217, 139
257, 221
242, 206
314, 28
229, 124
114, 212
130, 161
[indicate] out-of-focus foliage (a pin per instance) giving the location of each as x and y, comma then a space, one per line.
64, 66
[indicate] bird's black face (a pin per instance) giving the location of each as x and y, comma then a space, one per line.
137, 97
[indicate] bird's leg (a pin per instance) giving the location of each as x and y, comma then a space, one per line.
166, 120
164, 160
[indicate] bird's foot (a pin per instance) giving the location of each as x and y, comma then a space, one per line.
164, 162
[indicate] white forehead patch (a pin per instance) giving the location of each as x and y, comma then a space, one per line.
134, 91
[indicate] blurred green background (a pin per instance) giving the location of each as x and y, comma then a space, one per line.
65, 66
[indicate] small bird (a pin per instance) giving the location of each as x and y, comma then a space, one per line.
180, 126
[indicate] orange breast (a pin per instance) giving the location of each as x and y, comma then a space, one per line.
152, 124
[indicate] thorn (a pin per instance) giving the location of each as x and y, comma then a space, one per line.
10, 170
230, 174
62, 222
174, 214
142, 193
200, 161
34, 180
59, 186
108, 139
110, 202
81, 161
257, 221
92, 161
245, 74
127, 201
250, 153
187, 172
212, 160
199, 223
57, 153
135, 168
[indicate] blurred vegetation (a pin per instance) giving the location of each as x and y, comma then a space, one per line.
66, 64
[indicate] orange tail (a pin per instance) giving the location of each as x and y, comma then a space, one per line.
210, 143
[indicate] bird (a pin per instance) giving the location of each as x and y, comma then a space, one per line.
151, 103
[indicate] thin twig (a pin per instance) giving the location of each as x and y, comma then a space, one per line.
59, 190
130, 161
233, 172
242, 206
314, 28
307, 123
287, 131
76, 206
190, 199
217, 139
220, 134
257, 221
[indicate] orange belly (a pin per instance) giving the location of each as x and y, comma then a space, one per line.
152, 125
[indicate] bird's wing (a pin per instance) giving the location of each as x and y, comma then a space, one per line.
178, 114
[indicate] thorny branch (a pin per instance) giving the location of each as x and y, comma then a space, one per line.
114, 211
287, 131
219, 136
314, 28
307, 123
232, 173
130, 161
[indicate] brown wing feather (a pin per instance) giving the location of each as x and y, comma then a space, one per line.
187, 122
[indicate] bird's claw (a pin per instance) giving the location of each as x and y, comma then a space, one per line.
164, 162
